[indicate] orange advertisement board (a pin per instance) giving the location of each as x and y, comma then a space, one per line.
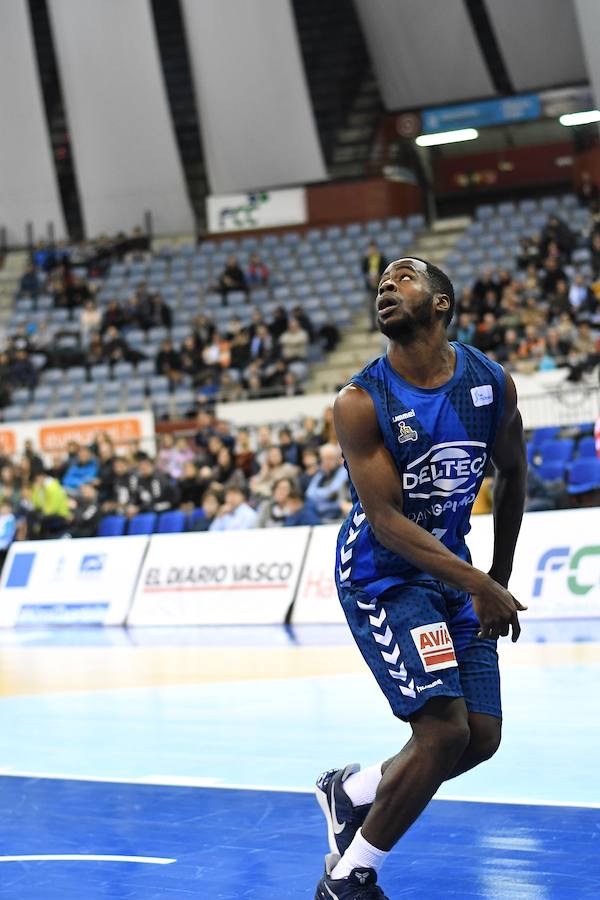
51, 435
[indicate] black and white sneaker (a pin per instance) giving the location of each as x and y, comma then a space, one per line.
343, 819
361, 884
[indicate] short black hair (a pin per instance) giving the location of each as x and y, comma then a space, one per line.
440, 284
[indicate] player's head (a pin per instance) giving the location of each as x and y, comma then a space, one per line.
413, 295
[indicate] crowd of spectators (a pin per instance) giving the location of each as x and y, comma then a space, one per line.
269, 356
239, 479
543, 315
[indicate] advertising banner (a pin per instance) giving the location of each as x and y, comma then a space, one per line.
317, 599
257, 209
484, 112
88, 581
49, 435
219, 578
557, 562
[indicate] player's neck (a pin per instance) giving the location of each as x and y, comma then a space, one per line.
428, 361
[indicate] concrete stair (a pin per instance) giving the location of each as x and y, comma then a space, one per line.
10, 275
359, 345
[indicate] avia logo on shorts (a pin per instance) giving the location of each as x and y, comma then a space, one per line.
556, 558
435, 646
446, 469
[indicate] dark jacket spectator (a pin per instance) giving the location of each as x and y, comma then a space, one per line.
85, 513
232, 278
28, 285
153, 490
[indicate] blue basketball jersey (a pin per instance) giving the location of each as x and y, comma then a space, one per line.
440, 440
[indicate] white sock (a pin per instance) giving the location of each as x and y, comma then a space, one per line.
362, 786
359, 855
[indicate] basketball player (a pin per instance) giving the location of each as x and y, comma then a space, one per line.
417, 428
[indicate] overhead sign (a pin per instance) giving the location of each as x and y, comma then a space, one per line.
219, 578
520, 108
49, 435
87, 581
256, 209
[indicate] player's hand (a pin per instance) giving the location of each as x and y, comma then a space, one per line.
497, 610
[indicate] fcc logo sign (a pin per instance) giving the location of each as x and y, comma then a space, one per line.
581, 567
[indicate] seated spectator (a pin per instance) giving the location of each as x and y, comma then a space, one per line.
290, 448
173, 455
81, 471
595, 251
154, 312
328, 433
299, 511
21, 371
115, 348
90, 320
309, 436
278, 323
558, 301
261, 344
8, 528
191, 489
310, 467
541, 494
211, 504
226, 471
294, 342
190, 357
328, 488
113, 317
235, 513
552, 273
168, 362
557, 232
373, 266
588, 192
153, 491
117, 489
244, 454
50, 514
28, 284
272, 511
529, 252
258, 272
465, 329
203, 330
85, 512
488, 336
580, 294
232, 278
273, 468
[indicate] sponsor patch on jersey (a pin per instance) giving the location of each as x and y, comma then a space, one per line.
482, 395
406, 433
446, 469
434, 645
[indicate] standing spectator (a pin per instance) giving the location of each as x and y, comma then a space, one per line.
374, 265
232, 278
557, 232
328, 489
235, 513
28, 284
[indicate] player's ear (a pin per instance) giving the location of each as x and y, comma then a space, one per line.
442, 302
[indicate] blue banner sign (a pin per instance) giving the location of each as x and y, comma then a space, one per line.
484, 112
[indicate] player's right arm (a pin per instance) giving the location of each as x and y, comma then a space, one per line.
377, 482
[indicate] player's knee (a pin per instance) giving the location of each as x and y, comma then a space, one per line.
453, 738
485, 740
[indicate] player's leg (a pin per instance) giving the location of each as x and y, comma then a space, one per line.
485, 734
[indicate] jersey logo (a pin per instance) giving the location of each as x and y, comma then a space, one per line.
406, 433
446, 469
482, 395
434, 645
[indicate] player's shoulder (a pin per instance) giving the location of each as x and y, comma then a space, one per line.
482, 362
358, 389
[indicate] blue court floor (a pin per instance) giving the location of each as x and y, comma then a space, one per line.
156, 764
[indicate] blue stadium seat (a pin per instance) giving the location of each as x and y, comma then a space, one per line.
558, 450
112, 526
112, 403
584, 476
76, 374
586, 448
122, 371
194, 517
171, 522
551, 471
100, 372
540, 435
143, 523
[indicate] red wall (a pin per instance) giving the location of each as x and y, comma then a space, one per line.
370, 198
519, 167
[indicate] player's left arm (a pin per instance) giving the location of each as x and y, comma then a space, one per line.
510, 485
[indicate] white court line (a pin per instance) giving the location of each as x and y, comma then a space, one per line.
87, 857
199, 782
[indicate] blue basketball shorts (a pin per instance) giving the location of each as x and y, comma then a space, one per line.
420, 641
